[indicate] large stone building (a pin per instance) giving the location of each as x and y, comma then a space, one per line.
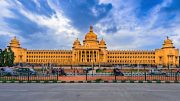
93, 51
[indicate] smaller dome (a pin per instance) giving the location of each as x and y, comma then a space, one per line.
77, 42
14, 40
167, 41
102, 42
14, 43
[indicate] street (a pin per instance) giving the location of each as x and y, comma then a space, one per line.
89, 92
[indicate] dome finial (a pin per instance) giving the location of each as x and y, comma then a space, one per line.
91, 28
167, 37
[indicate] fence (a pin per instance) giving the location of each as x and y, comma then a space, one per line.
132, 76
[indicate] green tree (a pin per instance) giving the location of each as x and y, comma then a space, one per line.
1, 58
10, 57
5, 56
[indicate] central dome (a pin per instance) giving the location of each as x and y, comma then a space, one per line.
91, 35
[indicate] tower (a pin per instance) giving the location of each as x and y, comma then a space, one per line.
103, 51
19, 53
168, 55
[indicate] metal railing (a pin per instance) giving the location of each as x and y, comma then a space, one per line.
144, 76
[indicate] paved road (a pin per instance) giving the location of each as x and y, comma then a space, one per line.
90, 92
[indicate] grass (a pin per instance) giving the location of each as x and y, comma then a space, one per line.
99, 71
9, 79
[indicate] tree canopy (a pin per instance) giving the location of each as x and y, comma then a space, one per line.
6, 57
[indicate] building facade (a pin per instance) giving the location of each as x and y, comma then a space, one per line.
93, 51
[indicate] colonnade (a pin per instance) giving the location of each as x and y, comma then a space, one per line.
87, 56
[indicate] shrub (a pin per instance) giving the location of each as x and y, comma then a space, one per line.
71, 81
37, 81
140, 81
54, 81
131, 81
149, 81
98, 80
46, 81
80, 81
88, 81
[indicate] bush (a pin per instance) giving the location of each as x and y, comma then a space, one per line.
140, 81
176, 81
12, 81
54, 81
98, 80
149, 81
167, 81
88, 81
131, 81
71, 81
37, 81
106, 81
123, 81
29, 82
63, 82
4, 81
99, 71
46, 81
20, 81
80, 81
114, 81
158, 81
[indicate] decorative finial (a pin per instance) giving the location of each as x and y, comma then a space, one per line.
76, 38
14, 37
91, 28
167, 37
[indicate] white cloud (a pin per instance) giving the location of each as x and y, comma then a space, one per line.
6, 32
59, 28
132, 32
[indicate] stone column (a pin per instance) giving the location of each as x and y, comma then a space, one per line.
85, 56
78, 55
96, 56
81, 56
89, 56
93, 55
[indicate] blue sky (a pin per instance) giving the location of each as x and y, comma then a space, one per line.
124, 24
